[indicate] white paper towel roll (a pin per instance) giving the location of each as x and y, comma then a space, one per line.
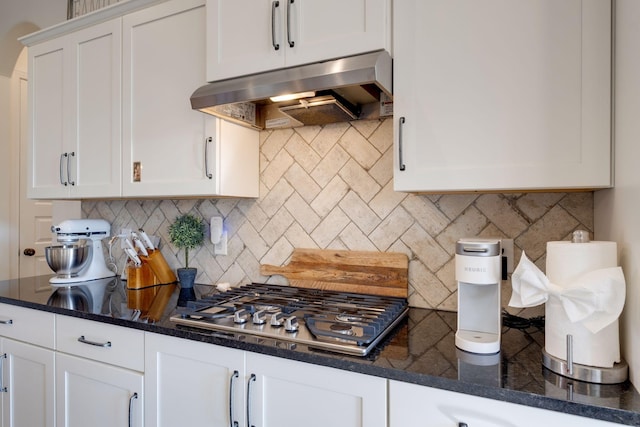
566, 261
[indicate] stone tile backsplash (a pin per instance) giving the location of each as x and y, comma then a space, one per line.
332, 187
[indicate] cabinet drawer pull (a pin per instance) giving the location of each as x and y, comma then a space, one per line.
62, 157
6, 322
274, 5
72, 154
291, 42
461, 424
232, 423
400, 126
206, 158
83, 340
133, 396
251, 379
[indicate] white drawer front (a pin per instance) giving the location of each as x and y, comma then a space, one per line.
111, 344
28, 325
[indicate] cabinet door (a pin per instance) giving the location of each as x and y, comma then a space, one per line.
166, 147
49, 78
244, 37
164, 139
499, 95
28, 382
74, 84
99, 341
411, 404
96, 141
285, 393
190, 383
28, 325
248, 36
326, 29
94, 394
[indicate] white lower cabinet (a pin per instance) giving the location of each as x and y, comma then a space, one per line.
285, 393
90, 393
411, 404
189, 383
27, 360
99, 378
27, 385
192, 383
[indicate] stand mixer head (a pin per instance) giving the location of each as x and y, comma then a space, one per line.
79, 256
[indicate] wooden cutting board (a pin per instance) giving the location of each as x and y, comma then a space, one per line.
376, 273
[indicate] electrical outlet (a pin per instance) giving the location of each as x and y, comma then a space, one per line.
507, 252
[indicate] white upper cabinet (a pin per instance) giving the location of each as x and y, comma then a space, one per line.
74, 104
250, 36
168, 148
501, 95
110, 114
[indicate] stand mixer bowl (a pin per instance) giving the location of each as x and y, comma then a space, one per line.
67, 260
72, 298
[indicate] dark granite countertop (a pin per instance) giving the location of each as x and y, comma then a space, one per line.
420, 350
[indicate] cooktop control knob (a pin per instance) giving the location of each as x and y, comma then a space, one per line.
291, 324
240, 316
259, 317
277, 319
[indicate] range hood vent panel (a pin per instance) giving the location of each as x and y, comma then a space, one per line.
361, 77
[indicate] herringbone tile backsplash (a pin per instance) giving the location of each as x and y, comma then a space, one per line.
332, 187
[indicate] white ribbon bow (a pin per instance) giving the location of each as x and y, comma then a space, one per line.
596, 298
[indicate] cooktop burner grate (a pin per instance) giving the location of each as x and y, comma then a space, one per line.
338, 321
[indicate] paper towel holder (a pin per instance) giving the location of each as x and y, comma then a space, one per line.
618, 373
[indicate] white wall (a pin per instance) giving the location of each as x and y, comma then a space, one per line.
22, 17
5, 181
617, 211
17, 18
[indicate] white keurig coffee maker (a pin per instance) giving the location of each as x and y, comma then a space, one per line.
478, 273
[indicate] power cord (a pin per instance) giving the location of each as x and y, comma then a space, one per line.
517, 322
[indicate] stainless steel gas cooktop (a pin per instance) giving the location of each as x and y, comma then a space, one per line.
342, 322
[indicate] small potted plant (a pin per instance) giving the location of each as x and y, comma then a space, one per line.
186, 232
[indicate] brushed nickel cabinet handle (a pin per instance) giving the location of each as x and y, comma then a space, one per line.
6, 322
291, 42
251, 379
206, 158
232, 423
400, 126
133, 397
83, 340
274, 5
3, 388
62, 157
72, 154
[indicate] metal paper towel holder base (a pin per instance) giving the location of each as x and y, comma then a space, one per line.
593, 374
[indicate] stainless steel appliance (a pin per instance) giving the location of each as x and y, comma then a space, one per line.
336, 321
344, 89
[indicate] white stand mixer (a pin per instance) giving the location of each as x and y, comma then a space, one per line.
69, 233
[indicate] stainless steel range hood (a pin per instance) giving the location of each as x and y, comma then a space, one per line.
351, 88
